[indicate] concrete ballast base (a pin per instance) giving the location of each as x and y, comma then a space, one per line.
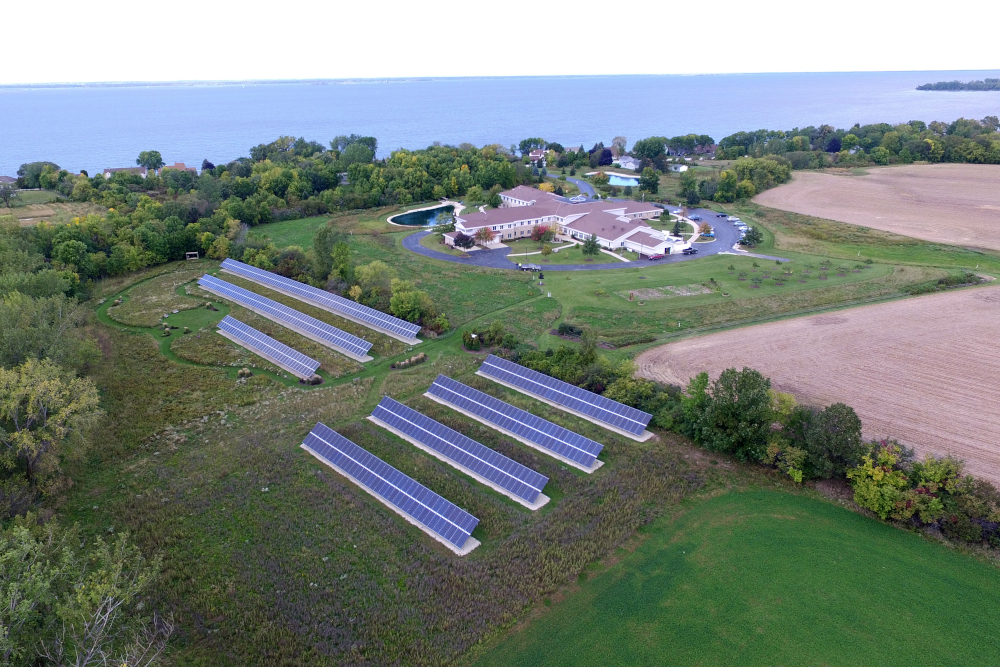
642, 437
542, 498
470, 544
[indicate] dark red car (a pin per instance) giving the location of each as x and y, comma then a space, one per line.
657, 256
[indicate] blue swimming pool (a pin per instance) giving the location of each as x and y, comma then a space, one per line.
622, 180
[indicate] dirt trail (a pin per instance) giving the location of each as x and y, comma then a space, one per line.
924, 370
947, 203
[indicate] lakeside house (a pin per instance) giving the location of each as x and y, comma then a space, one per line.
615, 224
179, 166
678, 167
7, 180
139, 171
629, 162
537, 156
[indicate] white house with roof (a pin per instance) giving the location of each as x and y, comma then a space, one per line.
139, 171
629, 162
615, 224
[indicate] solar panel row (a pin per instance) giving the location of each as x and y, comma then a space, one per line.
310, 326
587, 403
263, 344
368, 316
441, 518
509, 476
542, 433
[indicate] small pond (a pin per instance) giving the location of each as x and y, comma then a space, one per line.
622, 180
424, 218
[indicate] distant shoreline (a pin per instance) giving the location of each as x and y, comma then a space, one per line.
409, 79
988, 85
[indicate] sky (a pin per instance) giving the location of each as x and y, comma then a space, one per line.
211, 40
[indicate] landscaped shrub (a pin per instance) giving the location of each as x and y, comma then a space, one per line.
566, 329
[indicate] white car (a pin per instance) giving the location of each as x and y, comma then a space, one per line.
733, 218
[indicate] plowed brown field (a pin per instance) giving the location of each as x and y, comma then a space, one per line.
947, 203
924, 370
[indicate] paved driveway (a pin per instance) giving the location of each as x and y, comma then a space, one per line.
497, 259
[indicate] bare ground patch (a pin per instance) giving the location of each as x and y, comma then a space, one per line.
649, 293
924, 370
946, 203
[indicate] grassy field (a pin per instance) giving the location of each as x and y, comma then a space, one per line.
431, 242
765, 578
272, 559
572, 255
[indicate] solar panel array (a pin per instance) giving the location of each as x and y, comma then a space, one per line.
289, 316
369, 316
262, 343
566, 395
439, 516
541, 432
521, 482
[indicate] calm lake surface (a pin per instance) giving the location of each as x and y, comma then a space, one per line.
97, 127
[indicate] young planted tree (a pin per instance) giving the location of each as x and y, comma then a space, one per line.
591, 246
464, 241
484, 236
753, 238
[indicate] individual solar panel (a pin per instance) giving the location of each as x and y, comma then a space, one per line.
506, 475
587, 403
289, 317
540, 433
441, 518
369, 317
264, 345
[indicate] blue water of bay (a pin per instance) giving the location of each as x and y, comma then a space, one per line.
94, 127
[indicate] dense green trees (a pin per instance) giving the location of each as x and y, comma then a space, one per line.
964, 140
68, 601
689, 188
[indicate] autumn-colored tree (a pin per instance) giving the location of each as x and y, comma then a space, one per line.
484, 236
44, 413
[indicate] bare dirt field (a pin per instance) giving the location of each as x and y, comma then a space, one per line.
924, 370
947, 203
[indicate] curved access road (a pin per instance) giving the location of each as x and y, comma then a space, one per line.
585, 187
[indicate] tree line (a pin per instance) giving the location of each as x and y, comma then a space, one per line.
963, 140
742, 415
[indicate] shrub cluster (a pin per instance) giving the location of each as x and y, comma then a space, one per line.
494, 337
412, 361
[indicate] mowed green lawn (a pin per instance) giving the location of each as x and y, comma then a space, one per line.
766, 578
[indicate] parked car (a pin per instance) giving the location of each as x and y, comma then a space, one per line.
709, 235
720, 215
529, 267
690, 251
656, 256
694, 217
733, 218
